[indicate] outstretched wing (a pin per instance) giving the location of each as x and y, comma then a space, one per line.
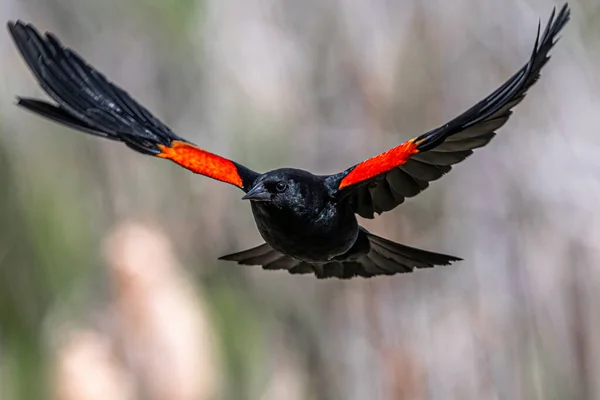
88, 102
383, 182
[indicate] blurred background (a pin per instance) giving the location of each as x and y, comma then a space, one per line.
110, 286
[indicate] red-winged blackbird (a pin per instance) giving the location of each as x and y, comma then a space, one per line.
308, 221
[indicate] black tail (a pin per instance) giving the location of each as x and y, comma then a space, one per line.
383, 257
395, 257
499, 103
87, 101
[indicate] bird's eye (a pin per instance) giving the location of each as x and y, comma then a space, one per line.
281, 186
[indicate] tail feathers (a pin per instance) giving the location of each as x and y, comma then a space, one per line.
395, 257
384, 257
259, 255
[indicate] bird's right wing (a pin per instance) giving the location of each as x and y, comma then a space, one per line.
381, 183
87, 101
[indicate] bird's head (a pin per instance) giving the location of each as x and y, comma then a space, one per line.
283, 188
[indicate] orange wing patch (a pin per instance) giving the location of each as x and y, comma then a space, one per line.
201, 162
380, 164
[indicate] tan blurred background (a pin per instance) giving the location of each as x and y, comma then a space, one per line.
109, 284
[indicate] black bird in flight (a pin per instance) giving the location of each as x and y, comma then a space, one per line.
308, 221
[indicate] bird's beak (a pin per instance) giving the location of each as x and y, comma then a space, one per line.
258, 193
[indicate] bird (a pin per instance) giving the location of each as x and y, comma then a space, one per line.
308, 222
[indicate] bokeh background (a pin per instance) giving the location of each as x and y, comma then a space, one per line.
109, 284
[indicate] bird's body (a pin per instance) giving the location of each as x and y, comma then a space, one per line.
308, 222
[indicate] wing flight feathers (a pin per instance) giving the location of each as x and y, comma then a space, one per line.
88, 102
383, 182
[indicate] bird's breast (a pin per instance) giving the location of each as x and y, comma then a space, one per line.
309, 236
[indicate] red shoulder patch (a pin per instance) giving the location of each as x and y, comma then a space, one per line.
380, 164
202, 162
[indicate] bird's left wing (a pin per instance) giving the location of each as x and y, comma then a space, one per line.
383, 182
88, 102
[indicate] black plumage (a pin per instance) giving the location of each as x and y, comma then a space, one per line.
308, 221
454, 141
